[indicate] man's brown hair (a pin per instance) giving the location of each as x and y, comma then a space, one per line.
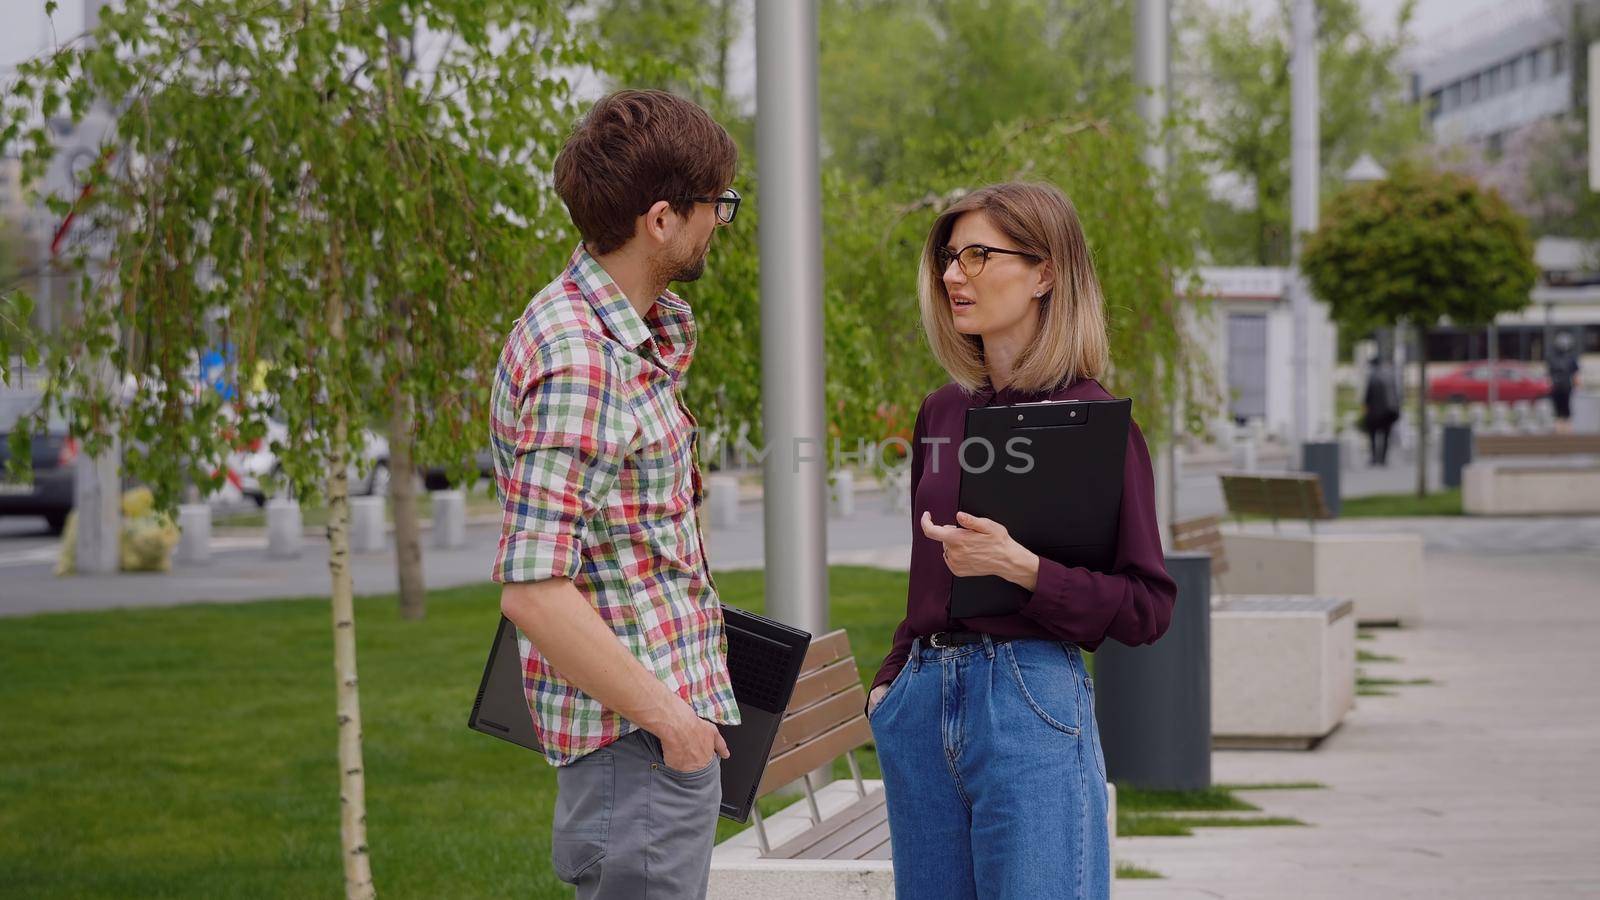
635, 148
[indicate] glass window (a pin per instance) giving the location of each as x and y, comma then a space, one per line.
1469, 91
1452, 96
1510, 74
1435, 103
1491, 82
1558, 59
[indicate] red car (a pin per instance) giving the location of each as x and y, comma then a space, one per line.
1469, 383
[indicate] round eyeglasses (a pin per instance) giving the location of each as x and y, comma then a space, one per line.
973, 257
727, 205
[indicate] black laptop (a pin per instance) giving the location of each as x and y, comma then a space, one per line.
764, 659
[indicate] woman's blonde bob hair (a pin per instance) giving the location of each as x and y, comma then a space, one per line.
1071, 341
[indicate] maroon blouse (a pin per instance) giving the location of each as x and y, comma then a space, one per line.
1132, 603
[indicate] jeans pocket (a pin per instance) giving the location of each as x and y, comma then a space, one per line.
894, 688
654, 743
582, 825
1047, 682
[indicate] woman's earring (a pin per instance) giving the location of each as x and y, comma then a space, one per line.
1038, 294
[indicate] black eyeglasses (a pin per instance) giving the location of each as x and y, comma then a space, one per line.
973, 257
727, 205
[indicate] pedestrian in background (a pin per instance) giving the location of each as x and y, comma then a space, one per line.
1563, 365
1380, 409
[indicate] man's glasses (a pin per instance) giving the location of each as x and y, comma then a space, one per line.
727, 205
973, 257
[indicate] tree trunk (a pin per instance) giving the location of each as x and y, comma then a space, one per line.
352, 777
1422, 410
403, 493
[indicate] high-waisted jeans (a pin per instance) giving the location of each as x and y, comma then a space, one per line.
995, 781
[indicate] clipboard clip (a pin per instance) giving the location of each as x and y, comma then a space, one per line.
1050, 414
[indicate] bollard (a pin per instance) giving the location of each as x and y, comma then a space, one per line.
1153, 703
449, 519
897, 489
194, 533
367, 533
284, 529
1321, 458
843, 489
1457, 452
722, 493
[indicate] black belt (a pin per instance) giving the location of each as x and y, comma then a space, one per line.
943, 639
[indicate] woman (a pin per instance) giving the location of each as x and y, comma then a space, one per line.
985, 727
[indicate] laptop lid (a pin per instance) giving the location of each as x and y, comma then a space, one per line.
764, 661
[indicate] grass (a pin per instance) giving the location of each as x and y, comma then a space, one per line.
1276, 786
1129, 870
1170, 826
191, 750
1445, 502
1370, 657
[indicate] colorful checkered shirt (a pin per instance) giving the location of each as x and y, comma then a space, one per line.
596, 461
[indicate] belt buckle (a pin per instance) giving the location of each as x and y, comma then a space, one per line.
933, 640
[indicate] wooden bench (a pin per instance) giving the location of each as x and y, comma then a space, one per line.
835, 842
1549, 444
1289, 495
1282, 667
1381, 572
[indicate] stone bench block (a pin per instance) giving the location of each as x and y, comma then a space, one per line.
285, 530
194, 534
1283, 669
449, 519
1380, 573
1507, 488
368, 533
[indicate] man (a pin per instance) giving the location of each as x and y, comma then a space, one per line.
601, 556
1563, 366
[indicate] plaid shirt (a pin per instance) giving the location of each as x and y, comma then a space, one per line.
596, 462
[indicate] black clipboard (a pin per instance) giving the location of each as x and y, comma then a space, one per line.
1054, 482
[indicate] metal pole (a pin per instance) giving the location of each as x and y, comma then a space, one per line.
1151, 24
1302, 198
791, 314
1494, 364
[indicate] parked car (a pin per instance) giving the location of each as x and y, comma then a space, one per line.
1469, 383
251, 465
54, 475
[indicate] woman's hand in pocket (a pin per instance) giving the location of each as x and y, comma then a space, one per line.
876, 697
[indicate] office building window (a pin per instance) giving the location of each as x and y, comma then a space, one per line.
1452, 96
1469, 90
1558, 59
1435, 100
1491, 82
1510, 73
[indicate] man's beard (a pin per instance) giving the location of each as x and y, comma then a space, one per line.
686, 270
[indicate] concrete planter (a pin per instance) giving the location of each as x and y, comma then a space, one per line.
1523, 488
1283, 670
1380, 573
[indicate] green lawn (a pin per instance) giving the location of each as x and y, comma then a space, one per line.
191, 751
1446, 502
250, 516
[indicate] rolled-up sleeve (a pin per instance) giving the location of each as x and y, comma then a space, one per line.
1133, 602
562, 429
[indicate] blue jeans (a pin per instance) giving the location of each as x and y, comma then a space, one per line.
995, 782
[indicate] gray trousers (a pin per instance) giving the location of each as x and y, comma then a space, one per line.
629, 828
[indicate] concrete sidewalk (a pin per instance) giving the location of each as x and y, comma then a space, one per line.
1481, 785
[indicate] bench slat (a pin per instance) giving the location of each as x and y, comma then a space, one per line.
1535, 444
827, 681
834, 645
792, 764
833, 845
802, 725
1287, 495
871, 808
863, 846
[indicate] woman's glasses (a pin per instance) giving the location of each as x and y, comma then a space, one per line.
973, 257
727, 205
